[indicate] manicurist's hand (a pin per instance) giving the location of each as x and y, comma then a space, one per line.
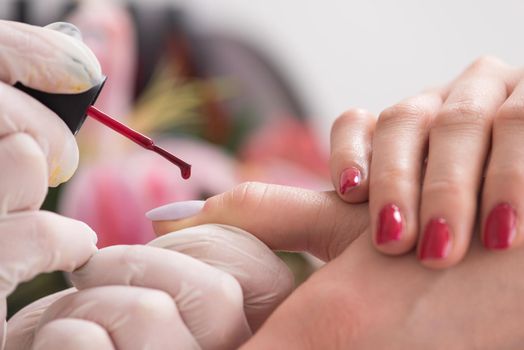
439, 164
361, 299
37, 150
176, 293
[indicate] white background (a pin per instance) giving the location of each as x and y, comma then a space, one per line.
371, 53
365, 53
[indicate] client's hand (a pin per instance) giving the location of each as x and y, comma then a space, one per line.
468, 132
362, 299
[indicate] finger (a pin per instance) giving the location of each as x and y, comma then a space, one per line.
504, 184
72, 334
265, 279
399, 149
458, 144
22, 114
284, 218
135, 318
209, 300
21, 327
36, 242
46, 59
351, 153
23, 184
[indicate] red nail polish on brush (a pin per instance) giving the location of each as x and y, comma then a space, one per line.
390, 224
500, 227
73, 109
436, 240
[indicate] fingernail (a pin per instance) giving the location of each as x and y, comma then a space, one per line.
500, 227
390, 224
175, 211
349, 179
436, 241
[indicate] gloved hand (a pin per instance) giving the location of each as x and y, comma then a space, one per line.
36, 150
130, 297
176, 302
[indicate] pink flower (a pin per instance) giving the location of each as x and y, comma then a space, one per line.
112, 196
286, 152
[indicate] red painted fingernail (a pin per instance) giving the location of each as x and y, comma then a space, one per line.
349, 179
500, 227
436, 241
389, 224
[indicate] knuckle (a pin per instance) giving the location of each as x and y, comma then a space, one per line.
466, 114
444, 186
510, 113
486, 62
403, 114
351, 116
390, 176
245, 195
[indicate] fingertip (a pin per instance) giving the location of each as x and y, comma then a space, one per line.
392, 236
352, 185
500, 228
437, 249
63, 166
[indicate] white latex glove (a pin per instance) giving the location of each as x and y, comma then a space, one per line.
209, 288
36, 150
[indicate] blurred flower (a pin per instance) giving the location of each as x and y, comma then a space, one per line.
112, 196
286, 152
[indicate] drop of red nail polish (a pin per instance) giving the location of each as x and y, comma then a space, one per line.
138, 138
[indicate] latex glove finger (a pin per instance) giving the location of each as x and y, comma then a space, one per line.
23, 184
46, 59
19, 113
72, 334
36, 242
21, 327
50, 61
265, 279
209, 300
134, 317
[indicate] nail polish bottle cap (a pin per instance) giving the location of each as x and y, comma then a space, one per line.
71, 108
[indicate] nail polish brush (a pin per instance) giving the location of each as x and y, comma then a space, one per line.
74, 108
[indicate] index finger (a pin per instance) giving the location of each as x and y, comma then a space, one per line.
46, 59
19, 113
284, 218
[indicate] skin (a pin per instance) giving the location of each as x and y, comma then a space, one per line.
361, 298
435, 154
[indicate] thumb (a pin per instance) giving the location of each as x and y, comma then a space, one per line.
52, 59
284, 218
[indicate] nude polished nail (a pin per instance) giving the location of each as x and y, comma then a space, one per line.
175, 211
436, 240
390, 224
349, 179
500, 228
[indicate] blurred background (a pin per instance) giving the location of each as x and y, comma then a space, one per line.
246, 90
